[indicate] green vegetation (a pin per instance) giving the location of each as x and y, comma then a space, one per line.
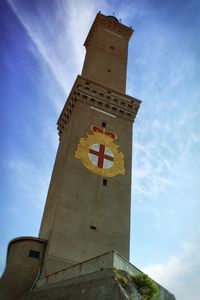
123, 280
145, 286
143, 283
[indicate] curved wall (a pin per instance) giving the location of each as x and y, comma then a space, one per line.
24, 261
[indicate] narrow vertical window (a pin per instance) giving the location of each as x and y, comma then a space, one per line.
105, 182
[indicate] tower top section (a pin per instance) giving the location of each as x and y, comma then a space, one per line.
107, 52
110, 22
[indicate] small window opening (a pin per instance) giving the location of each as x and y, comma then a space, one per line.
109, 70
93, 227
105, 182
103, 124
111, 47
34, 254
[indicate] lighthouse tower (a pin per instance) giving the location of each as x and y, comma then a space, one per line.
87, 210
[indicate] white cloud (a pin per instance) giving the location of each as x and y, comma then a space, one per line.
164, 143
151, 169
180, 273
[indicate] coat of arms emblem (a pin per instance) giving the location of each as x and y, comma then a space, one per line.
99, 154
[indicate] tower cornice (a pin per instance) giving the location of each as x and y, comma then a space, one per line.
111, 23
99, 97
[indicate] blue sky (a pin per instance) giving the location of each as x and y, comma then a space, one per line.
41, 54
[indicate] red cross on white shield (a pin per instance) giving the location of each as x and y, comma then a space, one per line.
101, 156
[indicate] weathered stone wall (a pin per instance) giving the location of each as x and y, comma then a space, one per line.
98, 285
84, 218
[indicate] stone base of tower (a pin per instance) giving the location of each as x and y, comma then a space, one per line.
98, 278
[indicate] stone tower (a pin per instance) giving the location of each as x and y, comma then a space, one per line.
87, 209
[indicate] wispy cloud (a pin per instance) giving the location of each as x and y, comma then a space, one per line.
58, 40
29, 182
164, 141
56, 37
